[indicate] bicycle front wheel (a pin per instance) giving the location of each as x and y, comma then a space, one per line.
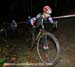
48, 49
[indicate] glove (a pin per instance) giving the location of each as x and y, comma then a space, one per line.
34, 26
55, 24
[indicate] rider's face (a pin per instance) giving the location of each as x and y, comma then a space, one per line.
46, 15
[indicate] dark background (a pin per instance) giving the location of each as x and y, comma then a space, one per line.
20, 9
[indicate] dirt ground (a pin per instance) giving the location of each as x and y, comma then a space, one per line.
18, 49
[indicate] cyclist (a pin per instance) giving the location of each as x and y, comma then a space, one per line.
13, 24
43, 17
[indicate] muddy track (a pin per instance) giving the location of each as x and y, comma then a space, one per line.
20, 47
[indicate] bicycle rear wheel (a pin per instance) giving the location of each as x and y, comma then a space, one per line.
48, 49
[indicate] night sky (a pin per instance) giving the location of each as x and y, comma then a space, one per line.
20, 9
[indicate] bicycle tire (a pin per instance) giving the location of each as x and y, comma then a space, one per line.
57, 58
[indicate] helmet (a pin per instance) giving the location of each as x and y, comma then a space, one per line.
47, 9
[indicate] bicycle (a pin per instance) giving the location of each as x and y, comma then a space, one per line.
46, 42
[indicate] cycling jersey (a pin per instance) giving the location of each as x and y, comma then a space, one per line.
36, 21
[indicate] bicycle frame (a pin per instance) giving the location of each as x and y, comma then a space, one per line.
38, 35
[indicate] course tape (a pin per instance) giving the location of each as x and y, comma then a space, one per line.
64, 16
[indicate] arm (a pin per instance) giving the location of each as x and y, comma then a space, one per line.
53, 22
33, 20
50, 20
